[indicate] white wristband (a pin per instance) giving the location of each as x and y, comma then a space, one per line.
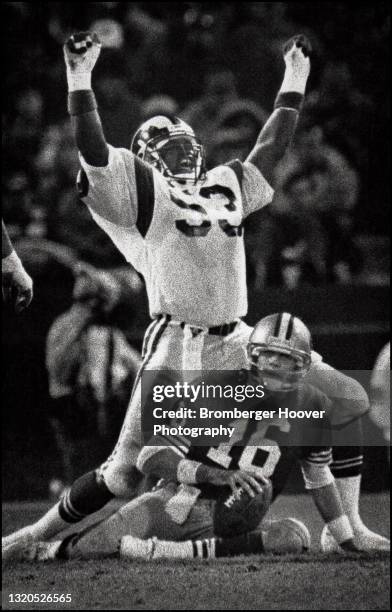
294, 81
186, 471
78, 80
341, 529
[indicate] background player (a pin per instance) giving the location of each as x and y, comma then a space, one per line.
181, 227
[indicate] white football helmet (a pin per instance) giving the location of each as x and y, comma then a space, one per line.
280, 333
170, 145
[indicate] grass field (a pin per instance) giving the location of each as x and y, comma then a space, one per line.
311, 582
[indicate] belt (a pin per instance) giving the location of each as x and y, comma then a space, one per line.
218, 330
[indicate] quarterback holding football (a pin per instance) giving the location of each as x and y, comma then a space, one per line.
212, 499
180, 226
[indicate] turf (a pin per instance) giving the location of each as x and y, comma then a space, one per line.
308, 582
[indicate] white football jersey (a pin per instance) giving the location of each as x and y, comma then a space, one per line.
188, 245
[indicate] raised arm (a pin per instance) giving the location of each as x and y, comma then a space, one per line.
81, 52
107, 182
277, 133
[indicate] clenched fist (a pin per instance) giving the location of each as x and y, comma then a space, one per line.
296, 53
81, 52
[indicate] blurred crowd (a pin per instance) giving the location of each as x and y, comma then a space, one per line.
219, 67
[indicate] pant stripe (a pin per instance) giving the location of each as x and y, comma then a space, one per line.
151, 343
147, 336
344, 462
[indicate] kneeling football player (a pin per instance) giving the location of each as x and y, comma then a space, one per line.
212, 498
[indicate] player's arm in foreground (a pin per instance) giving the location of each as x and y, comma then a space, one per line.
16, 283
170, 462
278, 132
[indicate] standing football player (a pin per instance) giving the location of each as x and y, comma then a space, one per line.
224, 489
181, 228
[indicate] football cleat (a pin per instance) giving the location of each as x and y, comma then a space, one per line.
364, 540
14, 545
31, 550
41, 551
284, 536
280, 334
170, 145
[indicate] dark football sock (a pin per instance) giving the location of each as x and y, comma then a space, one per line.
347, 461
88, 494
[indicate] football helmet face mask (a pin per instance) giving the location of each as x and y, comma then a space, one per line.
279, 349
170, 145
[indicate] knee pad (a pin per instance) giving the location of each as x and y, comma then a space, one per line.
121, 481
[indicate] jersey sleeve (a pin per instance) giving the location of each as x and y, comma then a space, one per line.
256, 191
162, 455
122, 192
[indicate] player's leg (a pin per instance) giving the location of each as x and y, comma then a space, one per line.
141, 517
170, 513
102, 539
350, 401
119, 472
281, 536
87, 495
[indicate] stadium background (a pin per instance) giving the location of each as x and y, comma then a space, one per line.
186, 56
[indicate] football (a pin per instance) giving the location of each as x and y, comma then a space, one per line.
233, 516
287, 535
